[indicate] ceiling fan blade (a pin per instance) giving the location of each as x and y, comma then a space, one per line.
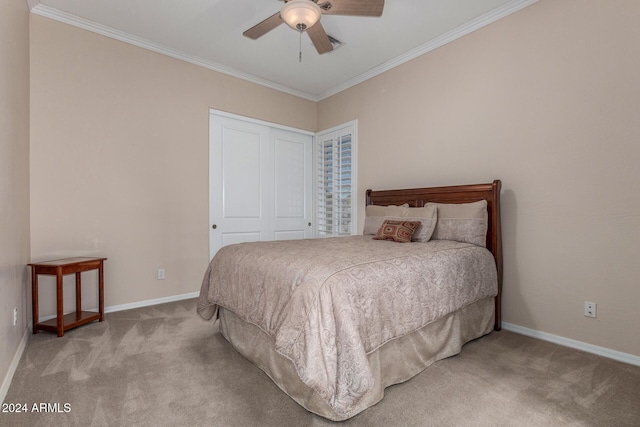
353, 7
264, 27
319, 38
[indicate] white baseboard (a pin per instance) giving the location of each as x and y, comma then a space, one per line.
23, 343
149, 302
578, 345
4, 389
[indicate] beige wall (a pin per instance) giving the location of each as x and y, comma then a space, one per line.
547, 100
119, 165
14, 177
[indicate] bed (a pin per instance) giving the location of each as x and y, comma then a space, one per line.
334, 321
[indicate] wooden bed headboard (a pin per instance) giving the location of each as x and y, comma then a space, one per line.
418, 197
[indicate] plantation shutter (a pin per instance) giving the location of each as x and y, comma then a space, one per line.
335, 191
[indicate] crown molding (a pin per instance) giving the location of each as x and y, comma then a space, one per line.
85, 24
507, 9
473, 25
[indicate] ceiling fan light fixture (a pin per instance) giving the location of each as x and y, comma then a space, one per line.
300, 14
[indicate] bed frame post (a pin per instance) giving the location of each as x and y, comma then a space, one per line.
496, 237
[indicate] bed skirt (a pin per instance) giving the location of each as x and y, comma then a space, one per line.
392, 363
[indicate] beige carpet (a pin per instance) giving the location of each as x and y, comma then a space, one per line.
164, 366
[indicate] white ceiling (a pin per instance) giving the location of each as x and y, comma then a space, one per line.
209, 33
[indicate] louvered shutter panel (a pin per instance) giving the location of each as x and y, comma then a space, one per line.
334, 169
325, 187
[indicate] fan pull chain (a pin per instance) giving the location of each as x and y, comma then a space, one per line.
300, 48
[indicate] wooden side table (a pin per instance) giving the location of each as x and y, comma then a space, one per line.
60, 268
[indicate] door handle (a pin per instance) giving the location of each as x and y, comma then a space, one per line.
214, 226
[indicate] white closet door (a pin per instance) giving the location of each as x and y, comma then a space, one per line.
240, 182
259, 182
292, 198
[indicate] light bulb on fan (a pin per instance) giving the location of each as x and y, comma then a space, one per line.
300, 14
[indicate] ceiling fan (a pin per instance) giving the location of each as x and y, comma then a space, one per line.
304, 16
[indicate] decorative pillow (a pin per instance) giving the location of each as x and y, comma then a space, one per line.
428, 217
464, 222
375, 216
427, 224
398, 231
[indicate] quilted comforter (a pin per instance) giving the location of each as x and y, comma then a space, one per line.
328, 303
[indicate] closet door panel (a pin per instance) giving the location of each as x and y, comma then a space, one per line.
240, 201
292, 157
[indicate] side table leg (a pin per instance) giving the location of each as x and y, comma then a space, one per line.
59, 303
34, 299
78, 295
101, 290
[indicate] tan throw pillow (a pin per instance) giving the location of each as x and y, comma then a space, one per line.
375, 216
464, 222
398, 231
428, 217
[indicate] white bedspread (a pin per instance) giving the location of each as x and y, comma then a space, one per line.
327, 303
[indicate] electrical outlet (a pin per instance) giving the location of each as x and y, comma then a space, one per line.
161, 274
590, 309
15, 316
